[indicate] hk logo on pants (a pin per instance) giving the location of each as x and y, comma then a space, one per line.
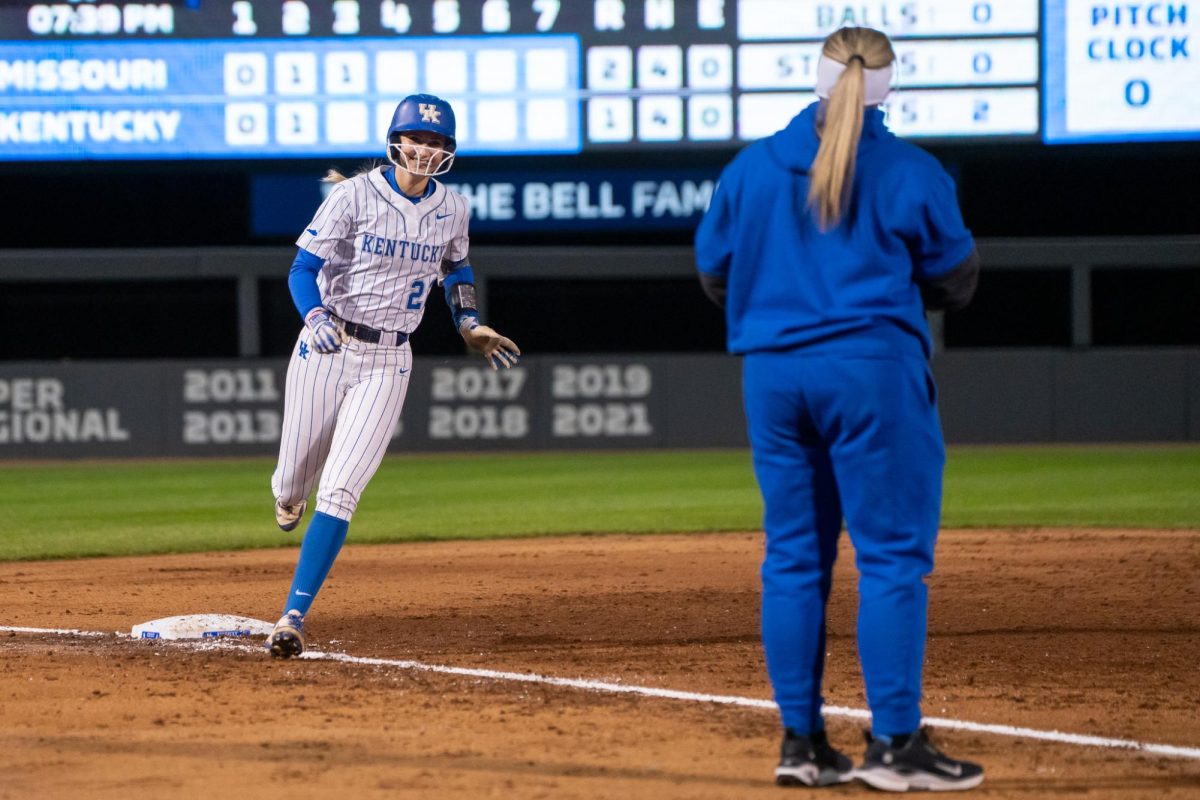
304, 351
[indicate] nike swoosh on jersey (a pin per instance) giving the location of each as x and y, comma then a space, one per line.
443, 216
313, 231
402, 371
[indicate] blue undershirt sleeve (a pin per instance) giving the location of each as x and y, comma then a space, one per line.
302, 281
462, 274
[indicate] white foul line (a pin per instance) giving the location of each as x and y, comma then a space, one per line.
695, 697
59, 631
750, 702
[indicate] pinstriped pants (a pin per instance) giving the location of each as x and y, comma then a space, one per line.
339, 413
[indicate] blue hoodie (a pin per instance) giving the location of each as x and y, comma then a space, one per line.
853, 290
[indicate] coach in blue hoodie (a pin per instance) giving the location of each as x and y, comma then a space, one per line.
825, 243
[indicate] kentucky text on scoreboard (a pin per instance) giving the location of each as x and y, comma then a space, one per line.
300, 79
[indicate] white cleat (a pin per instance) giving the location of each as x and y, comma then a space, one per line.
288, 517
287, 640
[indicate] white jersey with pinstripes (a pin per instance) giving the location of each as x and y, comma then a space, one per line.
383, 252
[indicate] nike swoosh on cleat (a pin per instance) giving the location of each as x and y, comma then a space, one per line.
953, 769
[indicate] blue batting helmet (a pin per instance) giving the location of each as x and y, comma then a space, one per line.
424, 112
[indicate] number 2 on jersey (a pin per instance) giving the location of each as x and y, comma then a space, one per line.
417, 296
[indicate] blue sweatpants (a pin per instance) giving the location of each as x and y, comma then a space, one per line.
833, 437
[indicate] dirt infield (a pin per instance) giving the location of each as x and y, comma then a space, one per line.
1083, 632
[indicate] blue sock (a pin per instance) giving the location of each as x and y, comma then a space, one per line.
322, 542
897, 740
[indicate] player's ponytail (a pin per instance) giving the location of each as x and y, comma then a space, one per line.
832, 171
333, 176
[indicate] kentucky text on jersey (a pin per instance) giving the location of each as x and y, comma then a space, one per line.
403, 249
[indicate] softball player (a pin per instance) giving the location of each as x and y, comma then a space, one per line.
825, 243
367, 263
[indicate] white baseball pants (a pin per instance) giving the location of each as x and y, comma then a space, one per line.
339, 413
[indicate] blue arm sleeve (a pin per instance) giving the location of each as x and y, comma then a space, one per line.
302, 281
459, 275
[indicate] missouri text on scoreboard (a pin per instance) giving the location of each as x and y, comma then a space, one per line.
298, 79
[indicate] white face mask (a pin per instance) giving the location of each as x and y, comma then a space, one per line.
423, 162
877, 82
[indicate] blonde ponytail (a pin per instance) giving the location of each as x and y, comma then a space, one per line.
832, 171
333, 176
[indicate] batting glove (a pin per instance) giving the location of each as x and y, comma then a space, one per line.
326, 336
500, 351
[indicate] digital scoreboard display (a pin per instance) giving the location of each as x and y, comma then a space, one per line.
301, 79
1127, 71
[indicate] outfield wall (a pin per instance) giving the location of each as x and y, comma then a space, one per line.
183, 408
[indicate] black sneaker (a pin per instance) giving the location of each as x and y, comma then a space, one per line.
811, 761
915, 763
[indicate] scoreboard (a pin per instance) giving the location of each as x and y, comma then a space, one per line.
299, 78
1122, 71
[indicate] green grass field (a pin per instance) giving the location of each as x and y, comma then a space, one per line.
62, 510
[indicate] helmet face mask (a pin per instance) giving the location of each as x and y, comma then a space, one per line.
416, 117
421, 160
